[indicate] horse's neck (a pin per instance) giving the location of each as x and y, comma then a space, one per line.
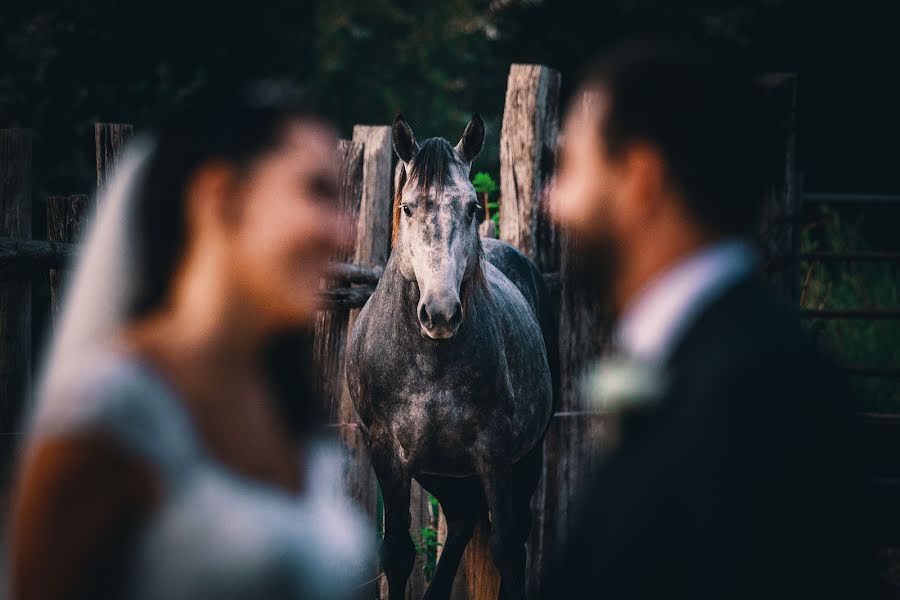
397, 297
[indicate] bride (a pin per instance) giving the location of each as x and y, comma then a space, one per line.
172, 451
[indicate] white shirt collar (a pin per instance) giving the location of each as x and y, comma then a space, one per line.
653, 321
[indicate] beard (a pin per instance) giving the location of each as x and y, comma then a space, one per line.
593, 266
593, 262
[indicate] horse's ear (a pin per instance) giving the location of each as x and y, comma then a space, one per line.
405, 144
472, 139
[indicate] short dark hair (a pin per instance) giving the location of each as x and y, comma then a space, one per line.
706, 116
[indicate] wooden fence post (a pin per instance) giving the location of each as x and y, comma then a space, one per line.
109, 139
330, 344
331, 325
527, 157
574, 440
373, 230
15, 292
66, 220
779, 235
372, 247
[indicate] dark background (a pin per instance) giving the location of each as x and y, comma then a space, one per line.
66, 64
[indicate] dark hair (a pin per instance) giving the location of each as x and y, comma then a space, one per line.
236, 126
705, 115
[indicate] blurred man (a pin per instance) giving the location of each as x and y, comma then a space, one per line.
733, 473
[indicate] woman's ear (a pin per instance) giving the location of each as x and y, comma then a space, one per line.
472, 139
405, 144
209, 196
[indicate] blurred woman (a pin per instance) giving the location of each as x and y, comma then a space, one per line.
171, 453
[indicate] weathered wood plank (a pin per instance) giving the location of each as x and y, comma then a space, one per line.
780, 229
330, 338
66, 220
372, 246
15, 292
45, 254
572, 443
373, 229
527, 155
28, 255
109, 140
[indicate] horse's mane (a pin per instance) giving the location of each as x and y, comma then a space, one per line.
431, 167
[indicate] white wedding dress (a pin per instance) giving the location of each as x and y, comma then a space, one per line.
216, 534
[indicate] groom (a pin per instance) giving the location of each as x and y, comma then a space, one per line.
739, 480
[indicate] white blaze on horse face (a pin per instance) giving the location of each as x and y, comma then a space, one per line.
438, 242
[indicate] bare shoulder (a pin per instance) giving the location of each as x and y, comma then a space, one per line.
90, 474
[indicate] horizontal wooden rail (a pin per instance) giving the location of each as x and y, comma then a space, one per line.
352, 273
871, 371
346, 298
852, 199
44, 254
851, 256
851, 313
884, 422
35, 253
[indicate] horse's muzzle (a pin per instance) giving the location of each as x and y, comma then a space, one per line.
440, 319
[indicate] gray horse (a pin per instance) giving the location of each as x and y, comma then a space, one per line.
448, 369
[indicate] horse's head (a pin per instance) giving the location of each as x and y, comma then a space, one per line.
436, 223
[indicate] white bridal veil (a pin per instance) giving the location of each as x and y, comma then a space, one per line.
102, 286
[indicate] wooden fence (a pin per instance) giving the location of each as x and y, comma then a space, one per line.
527, 154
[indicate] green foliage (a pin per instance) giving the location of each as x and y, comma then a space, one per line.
429, 543
484, 183
428, 548
856, 342
495, 213
68, 64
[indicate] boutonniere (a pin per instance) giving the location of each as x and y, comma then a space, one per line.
616, 385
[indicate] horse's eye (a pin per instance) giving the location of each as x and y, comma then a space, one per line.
474, 207
406, 210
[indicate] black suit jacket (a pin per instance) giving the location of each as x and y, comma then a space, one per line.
743, 482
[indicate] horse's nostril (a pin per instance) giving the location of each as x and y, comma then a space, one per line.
424, 317
456, 317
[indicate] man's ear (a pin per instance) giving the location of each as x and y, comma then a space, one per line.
644, 179
405, 144
472, 139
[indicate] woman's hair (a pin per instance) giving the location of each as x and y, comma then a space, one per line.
235, 126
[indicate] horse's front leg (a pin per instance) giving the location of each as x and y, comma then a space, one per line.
463, 504
398, 553
507, 545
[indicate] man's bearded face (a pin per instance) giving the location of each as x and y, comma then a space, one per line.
583, 198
